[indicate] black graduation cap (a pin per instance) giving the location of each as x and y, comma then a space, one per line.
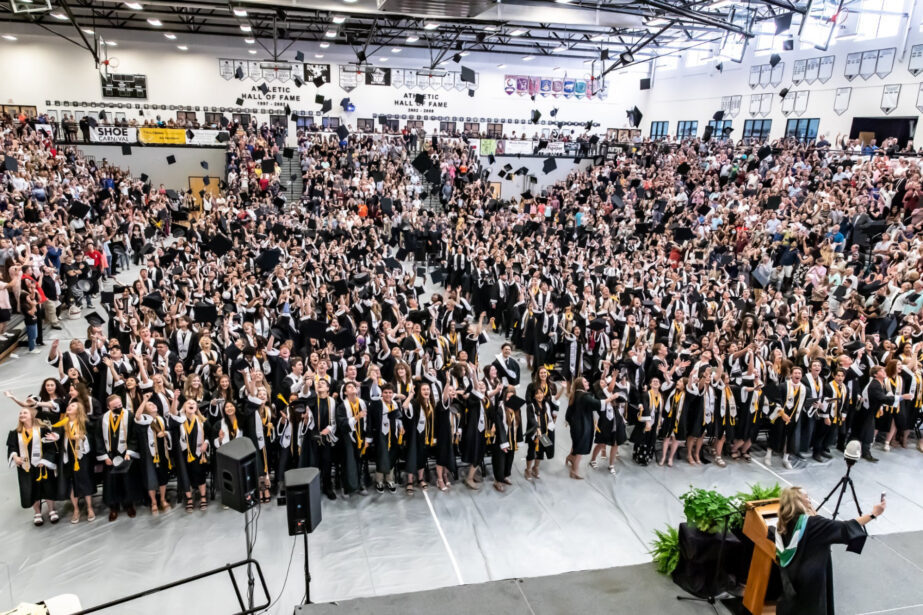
171, 159
268, 166
189, 134
288, 109
682, 233
491, 158
533, 179
106, 297
204, 164
422, 162
268, 259
683, 168
206, 180
467, 75
222, 137
239, 102
144, 177
344, 338
378, 176
318, 81
635, 115
532, 97
419, 99
312, 329
718, 116
220, 245
327, 106
299, 56
263, 88
288, 152
10, 164
507, 167
526, 195
342, 132
470, 93
870, 289
319, 99
438, 276
79, 209
418, 316
298, 81
205, 312
855, 346
153, 301
94, 319
171, 194
126, 149
536, 116
783, 92
434, 175
542, 144
293, 176
502, 174
763, 152
522, 171
515, 402
589, 125
457, 58
392, 263
239, 73
553, 112
774, 201
549, 165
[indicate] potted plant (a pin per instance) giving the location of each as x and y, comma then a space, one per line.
665, 550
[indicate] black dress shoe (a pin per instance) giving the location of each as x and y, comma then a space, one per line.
818, 458
330, 495
868, 457
826, 455
799, 456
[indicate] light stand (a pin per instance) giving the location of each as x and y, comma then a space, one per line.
841, 485
307, 572
712, 597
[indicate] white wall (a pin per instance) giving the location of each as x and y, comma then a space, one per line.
153, 162
520, 183
39, 68
694, 93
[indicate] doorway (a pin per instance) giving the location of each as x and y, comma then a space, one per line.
881, 128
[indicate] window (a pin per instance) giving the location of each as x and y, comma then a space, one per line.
280, 121
392, 125
330, 122
185, 116
668, 62
659, 130
765, 39
241, 118
718, 127
447, 127
686, 129
495, 131
213, 119
757, 129
472, 128
304, 121
805, 130
879, 18
365, 125
697, 57
414, 124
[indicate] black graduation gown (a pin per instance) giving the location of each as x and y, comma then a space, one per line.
387, 445
191, 464
808, 579
474, 431
74, 474
537, 422
39, 482
120, 483
447, 418
417, 441
352, 443
580, 418
155, 465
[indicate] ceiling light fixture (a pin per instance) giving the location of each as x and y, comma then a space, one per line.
627, 57
87, 31
252, 52
245, 27
395, 50
517, 32
431, 26
528, 58
9, 37
318, 55
155, 22
491, 28
382, 59
330, 33
169, 35
413, 39
338, 19
239, 12
464, 53
59, 16
135, 6
111, 43
249, 41
182, 47
350, 1
501, 65
324, 45
559, 49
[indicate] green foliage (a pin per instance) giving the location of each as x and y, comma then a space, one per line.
665, 550
706, 510
759, 492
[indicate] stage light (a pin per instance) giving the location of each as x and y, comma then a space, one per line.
252, 52
87, 31
182, 47
249, 41
627, 57
135, 6
559, 49
528, 58
431, 26
59, 16
9, 37
324, 45
330, 33
395, 50
318, 55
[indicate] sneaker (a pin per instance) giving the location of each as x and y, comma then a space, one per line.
392, 487
786, 463
886, 448
768, 459
380, 487
37, 351
363, 491
13, 355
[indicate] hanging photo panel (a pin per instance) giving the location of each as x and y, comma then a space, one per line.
853, 62
798, 71
890, 94
826, 68
841, 100
915, 64
920, 98
885, 62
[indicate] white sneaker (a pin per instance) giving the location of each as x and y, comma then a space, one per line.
887, 447
786, 463
35, 351
13, 355
768, 459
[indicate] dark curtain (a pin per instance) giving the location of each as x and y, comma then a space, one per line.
884, 127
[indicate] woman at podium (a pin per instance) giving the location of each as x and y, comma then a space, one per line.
803, 542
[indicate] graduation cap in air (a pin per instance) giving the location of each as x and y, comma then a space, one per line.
634, 116
536, 116
205, 312
144, 177
542, 144
189, 134
288, 109
204, 164
433, 175
344, 338
522, 171
502, 174
318, 81
774, 201
312, 329
10, 164
239, 73
171, 194
491, 158
549, 165
268, 166
470, 93
79, 210
392, 263
288, 152
222, 137
855, 346
153, 300
683, 168
327, 106
718, 116
467, 75
438, 276
589, 125
419, 99
319, 99
171, 159
94, 319
763, 152
526, 195
532, 97
206, 180
340, 287
553, 112
126, 149
239, 102
342, 132
422, 162
507, 167
298, 82
263, 88
106, 297
299, 56
268, 259
220, 245
378, 176
418, 316
682, 234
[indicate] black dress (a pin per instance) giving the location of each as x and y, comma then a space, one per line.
38, 483
580, 418
447, 420
154, 451
474, 431
539, 421
808, 579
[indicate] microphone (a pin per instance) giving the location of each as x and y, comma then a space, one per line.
853, 450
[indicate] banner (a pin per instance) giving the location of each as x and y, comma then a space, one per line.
518, 147
554, 148
488, 147
205, 137
162, 136
113, 134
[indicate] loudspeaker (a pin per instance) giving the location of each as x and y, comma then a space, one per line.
302, 500
646, 84
237, 474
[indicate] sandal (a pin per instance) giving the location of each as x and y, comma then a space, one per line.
203, 506
409, 488
188, 505
720, 462
154, 510
91, 517
424, 485
528, 474
735, 455
612, 470
75, 519
594, 464
746, 457
53, 516
38, 520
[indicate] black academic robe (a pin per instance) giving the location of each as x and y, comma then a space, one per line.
474, 430
808, 579
579, 417
153, 450
387, 432
419, 433
38, 482
116, 442
447, 419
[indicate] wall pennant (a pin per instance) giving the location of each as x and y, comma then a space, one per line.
776, 73
915, 64
226, 68
798, 71
853, 62
885, 63
920, 98
890, 94
826, 68
801, 101
765, 75
869, 64
788, 103
754, 79
841, 100
397, 77
811, 69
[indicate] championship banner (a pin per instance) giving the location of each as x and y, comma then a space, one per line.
545, 86
205, 137
162, 136
113, 134
511, 148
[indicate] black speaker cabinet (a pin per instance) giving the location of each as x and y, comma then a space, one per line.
302, 500
645, 84
237, 474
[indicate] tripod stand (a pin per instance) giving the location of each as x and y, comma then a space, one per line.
846, 480
715, 591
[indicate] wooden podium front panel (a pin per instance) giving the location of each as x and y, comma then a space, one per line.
756, 528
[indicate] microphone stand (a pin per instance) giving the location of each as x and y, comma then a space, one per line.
712, 597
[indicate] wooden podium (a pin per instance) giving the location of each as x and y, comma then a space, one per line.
760, 515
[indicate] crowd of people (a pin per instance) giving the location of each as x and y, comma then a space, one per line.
704, 293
